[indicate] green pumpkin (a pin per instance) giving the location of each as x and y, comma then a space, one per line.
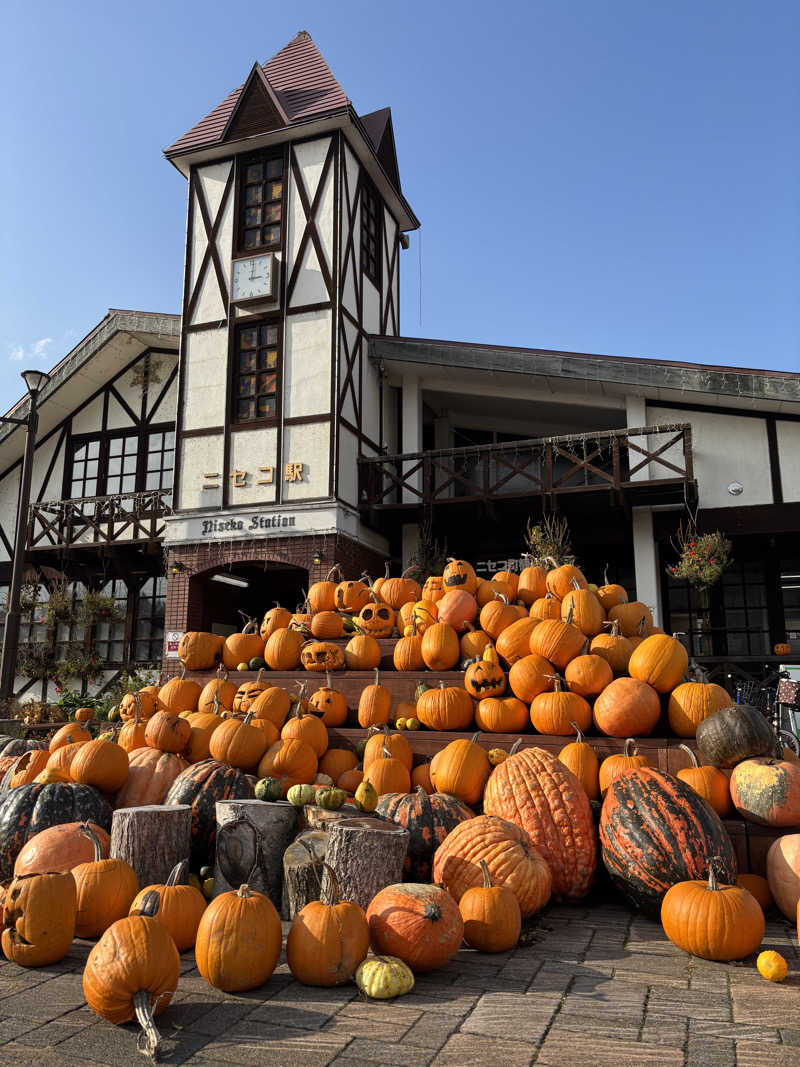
257, 663
360, 747
300, 795
269, 789
206, 872
332, 799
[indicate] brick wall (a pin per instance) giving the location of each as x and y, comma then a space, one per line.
184, 593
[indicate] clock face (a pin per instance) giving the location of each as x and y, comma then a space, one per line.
253, 278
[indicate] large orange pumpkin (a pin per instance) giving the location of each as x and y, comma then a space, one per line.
534, 790
562, 580
440, 647
615, 649
585, 611
582, 760
691, 703
419, 924
244, 646
514, 642
167, 732
661, 661
103, 764
150, 775
458, 574
179, 694
555, 712
627, 708
322, 595
59, 848
200, 650
630, 617
532, 584
458, 609
74, 733
558, 641
530, 676
462, 770
445, 708
282, 650
710, 783
588, 675
291, 761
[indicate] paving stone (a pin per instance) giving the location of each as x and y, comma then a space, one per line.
10, 1029
664, 1030
394, 1011
313, 1017
463, 1049
501, 1014
25, 1056
790, 1037
708, 1052
104, 1043
756, 1054
47, 1036
563, 1047
361, 1052
363, 1025
453, 1003
769, 1003
431, 1030
625, 1027
259, 1044
494, 985
594, 997
732, 1031
677, 1002
208, 1017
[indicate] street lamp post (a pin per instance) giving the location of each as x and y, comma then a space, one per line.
35, 380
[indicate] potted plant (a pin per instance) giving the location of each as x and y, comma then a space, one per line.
36, 659
702, 558
59, 607
97, 607
548, 542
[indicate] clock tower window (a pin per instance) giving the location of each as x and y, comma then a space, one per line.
371, 233
257, 377
261, 202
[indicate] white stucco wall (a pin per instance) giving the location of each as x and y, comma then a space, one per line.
209, 306
348, 466
307, 364
205, 360
726, 448
251, 449
200, 455
310, 285
788, 451
90, 418
309, 444
9, 493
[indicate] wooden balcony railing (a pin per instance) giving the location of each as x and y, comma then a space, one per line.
619, 461
99, 520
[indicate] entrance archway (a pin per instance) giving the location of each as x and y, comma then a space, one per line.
250, 587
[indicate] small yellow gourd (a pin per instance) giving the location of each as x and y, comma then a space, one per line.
772, 966
384, 977
366, 798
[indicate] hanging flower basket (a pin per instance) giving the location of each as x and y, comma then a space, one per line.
97, 607
702, 558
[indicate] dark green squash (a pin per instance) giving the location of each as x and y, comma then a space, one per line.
269, 789
428, 819
26, 810
656, 831
734, 734
201, 786
18, 746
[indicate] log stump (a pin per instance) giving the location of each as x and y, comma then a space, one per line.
152, 839
302, 871
366, 855
316, 818
252, 837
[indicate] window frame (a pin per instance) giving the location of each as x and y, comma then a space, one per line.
240, 251
368, 189
255, 322
105, 437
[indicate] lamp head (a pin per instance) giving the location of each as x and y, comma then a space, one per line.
35, 380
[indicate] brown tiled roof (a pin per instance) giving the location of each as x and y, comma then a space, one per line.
302, 82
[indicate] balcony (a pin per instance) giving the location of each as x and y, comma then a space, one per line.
99, 520
645, 466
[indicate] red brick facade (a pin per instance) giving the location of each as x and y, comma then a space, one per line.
183, 609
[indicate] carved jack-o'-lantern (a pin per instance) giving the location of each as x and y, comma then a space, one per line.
458, 574
376, 619
485, 677
351, 596
322, 656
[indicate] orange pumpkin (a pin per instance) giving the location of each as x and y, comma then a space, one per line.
588, 675
458, 609
532, 584
615, 649
458, 574
501, 715
350, 597
661, 661
555, 712
381, 741
387, 774
272, 704
767, 791
199, 650
218, 687
691, 703
558, 641
322, 595
291, 761
244, 646
530, 676
307, 727
710, 783
167, 732
178, 694
74, 733
462, 770
398, 591
440, 647
282, 650
445, 708
419, 924
584, 610
362, 653
276, 618
374, 704
627, 707
102, 764
562, 580
496, 616
582, 760
630, 617
613, 766
330, 704
240, 743
473, 643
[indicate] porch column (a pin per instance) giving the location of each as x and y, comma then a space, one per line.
412, 431
645, 562
443, 438
410, 542
635, 416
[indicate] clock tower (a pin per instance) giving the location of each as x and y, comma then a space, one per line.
295, 217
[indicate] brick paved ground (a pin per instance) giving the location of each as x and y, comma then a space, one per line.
595, 986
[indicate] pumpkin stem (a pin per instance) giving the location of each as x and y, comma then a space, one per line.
515, 747
244, 891
87, 831
714, 865
249, 623
630, 748
215, 703
377, 676
474, 739
327, 679
570, 613
487, 878
579, 735
605, 575
690, 754
177, 875
335, 570
150, 904
149, 1041
556, 681
182, 675
614, 625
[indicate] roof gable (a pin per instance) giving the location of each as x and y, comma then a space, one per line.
379, 129
257, 109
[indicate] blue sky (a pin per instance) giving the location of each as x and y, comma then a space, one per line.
618, 177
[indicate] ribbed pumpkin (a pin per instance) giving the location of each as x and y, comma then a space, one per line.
497, 616
630, 617
38, 919
420, 924
656, 831
322, 595
102, 764
238, 940
59, 848
508, 852
584, 610
362, 653
462, 770
767, 791
546, 607
532, 584
407, 654
272, 705
501, 715
445, 708
248, 693
150, 775
712, 920
61, 759
440, 647
240, 743
26, 768
307, 727
581, 759
530, 676
328, 939
661, 661
105, 890
614, 648
167, 732
398, 591
588, 675
291, 761
201, 786
336, 761
74, 733
282, 650
202, 724
387, 774
327, 625
759, 887
692, 703
180, 909
514, 642
278, 618
458, 609
374, 704
473, 643
428, 819
733, 734
421, 777
708, 782
626, 708
558, 641
396, 744
485, 677
783, 873
491, 914
555, 712
200, 650
178, 694
242, 647
534, 790
329, 703
350, 780
131, 736
615, 765
610, 595
561, 580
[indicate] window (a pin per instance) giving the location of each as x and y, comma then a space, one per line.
370, 234
256, 377
261, 203
109, 464
149, 643
69, 629
109, 634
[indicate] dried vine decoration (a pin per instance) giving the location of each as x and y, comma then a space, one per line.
430, 556
702, 558
548, 542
